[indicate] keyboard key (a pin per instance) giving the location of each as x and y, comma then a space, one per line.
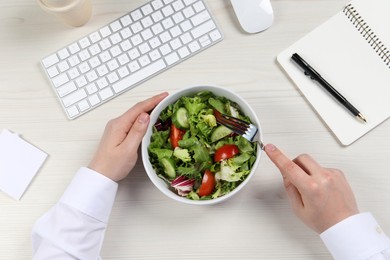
105, 31
63, 54
157, 16
60, 80
203, 39
112, 65
186, 25
189, 2
136, 39
188, 12
186, 38
134, 66
126, 20
123, 72
73, 60
123, 59
200, 18
144, 60
94, 49
175, 31
168, 23
154, 55
183, 52
115, 26
66, 89
91, 76
112, 77
83, 105
102, 70
94, 62
157, 4
199, 6
165, 37
72, 111
63, 66
146, 22
157, 29
167, 11
175, 44
178, 18
102, 83
215, 35
95, 37
136, 15
52, 71
147, 9
106, 93
155, 42
73, 73
115, 51
74, 97
134, 53
50, 60
94, 100
178, 5
144, 48
84, 42
84, 55
74, 48
172, 58
194, 46
115, 38
126, 45
81, 81
105, 56
138, 76
203, 29
147, 34
91, 88
126, 33
165, 49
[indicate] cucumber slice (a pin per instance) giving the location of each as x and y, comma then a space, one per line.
180, 118
168, 166
219, 133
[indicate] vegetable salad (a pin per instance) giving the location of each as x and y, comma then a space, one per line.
196, 156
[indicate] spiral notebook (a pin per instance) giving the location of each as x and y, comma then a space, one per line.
352, 52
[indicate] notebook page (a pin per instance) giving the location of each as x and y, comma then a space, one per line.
19, 162
339, 53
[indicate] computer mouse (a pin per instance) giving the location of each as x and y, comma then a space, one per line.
254, 15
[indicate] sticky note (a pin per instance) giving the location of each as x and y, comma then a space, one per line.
19, 163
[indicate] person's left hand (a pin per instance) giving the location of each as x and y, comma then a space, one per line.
117, 153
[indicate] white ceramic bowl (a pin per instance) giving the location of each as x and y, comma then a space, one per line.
161, 184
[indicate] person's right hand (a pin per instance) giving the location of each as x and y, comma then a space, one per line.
320, 197
117, 153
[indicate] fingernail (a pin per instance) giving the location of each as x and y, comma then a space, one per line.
143, 118
270, 147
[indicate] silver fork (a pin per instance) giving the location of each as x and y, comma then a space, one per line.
241, 127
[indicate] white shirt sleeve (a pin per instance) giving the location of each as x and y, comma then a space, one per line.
75, 226
358, 237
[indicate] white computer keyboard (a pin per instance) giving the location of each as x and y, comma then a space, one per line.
128, 51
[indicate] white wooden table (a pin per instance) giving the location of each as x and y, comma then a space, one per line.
145, 224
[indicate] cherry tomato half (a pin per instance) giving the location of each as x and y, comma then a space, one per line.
225, 152
208, 184
176, 135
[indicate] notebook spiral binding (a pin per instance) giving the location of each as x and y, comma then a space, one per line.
367, 33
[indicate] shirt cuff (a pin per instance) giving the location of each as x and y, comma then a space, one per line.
92, 193
356, 237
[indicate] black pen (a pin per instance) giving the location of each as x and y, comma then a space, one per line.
314, 75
